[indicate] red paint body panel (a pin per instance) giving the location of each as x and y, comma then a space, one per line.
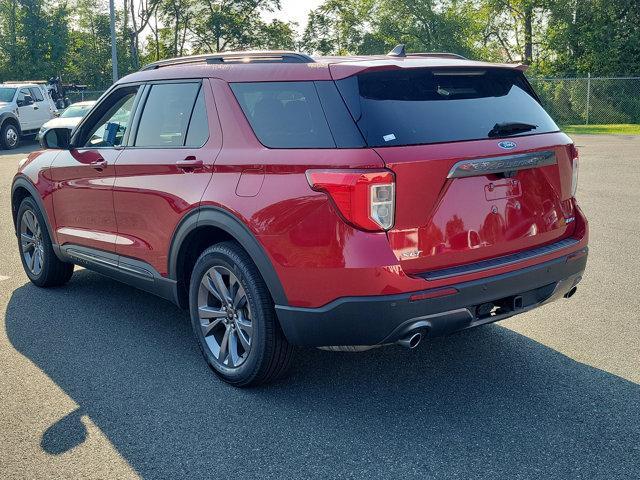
456, 221
152, 193
133, 206
83, 198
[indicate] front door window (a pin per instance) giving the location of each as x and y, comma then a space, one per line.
110, 130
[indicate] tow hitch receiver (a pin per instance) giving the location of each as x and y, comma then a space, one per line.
499, 307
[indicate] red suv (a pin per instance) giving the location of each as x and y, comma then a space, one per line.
337, 202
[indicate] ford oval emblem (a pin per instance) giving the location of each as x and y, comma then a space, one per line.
507, 145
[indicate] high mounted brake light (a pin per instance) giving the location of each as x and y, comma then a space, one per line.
365, 198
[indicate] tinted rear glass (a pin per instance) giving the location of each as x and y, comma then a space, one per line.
421, 106
285, 114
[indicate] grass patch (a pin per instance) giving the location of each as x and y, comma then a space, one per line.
616, 129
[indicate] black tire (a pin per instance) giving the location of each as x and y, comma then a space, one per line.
269, 354
9, 136
52, 272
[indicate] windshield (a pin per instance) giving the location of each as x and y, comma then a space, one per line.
76, 111
6, 94
421, 106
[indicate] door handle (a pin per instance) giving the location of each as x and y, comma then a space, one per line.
35, 107
99, 164
189, 163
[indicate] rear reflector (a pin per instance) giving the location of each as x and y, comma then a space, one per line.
576, 255
441, 292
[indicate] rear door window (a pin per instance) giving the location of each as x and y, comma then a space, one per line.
285, 114
422, 106
166, 115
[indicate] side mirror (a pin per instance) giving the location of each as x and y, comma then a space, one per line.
56, 138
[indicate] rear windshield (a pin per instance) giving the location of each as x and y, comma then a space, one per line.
421, 106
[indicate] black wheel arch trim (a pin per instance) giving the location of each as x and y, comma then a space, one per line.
230, 224
24, 182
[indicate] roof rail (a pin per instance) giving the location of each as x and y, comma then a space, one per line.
267, 56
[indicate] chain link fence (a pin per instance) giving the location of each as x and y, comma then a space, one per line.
591, 100
569, 101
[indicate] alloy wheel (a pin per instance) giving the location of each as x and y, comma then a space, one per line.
31, 242
225, 316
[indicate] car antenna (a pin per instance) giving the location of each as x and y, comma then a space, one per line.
398, 51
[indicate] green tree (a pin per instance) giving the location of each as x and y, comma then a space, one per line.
376, 26
220, 25
338, 27
88, 59
428, 25
33, 39
514, 30
601, 37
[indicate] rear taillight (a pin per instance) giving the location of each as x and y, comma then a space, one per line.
574, 176
365, 198
573, 152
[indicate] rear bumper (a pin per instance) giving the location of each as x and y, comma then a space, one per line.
386, 319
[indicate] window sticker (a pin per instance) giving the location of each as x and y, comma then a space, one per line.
389, 137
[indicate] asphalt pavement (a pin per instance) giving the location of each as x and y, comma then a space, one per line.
99, 380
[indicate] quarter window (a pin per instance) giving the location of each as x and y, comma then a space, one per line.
285, 114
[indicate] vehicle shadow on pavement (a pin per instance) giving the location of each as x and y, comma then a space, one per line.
26, 146
483, 403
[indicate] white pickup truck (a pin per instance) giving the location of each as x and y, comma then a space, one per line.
24, 108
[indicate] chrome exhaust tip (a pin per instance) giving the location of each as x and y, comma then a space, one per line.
411, 341
571, 292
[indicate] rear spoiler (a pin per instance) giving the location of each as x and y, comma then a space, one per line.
341, 70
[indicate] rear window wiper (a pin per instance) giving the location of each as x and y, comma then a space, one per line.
510, 128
